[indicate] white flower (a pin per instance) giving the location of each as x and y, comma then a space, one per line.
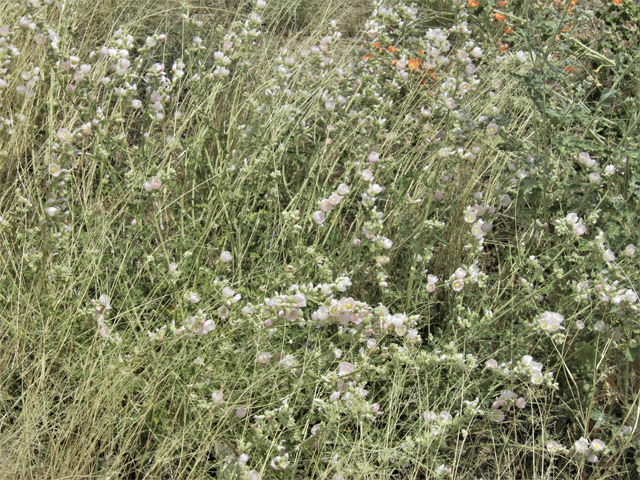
217, 396
345, 368
608, 256
470, 217
584, 157
551, 321
194, 297
367, 175
594, 177
582, 445
553, 447
54, 169
597, 446
264, 357
226, 256
630, 251
287, 361
104, 301
496, 416
571, 218
318, 217
248, 310
457, 284
386, 243
492, 363
445, 416
579, 229
375, 188
537, 378
343, 189
64, 134
609, 170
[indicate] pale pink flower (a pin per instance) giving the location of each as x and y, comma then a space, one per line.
64, 134
217, 397
194, 297
226, 256
582, 445
326, 205
343, 189
253, 474
264, 357
334, 199
367, 175
457, 284
241, 412
54, 169
345, 368
579, 229
521, 403
318, 217
287, 361
496, 416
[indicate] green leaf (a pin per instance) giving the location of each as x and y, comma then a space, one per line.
606, 97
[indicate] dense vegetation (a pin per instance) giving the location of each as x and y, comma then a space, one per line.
311, 239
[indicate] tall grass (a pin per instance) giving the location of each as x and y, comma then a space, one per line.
238, 243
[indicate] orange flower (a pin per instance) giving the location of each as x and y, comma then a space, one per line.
394, 61
414, 63
473, 3
508, 31
617, 2
500, 17
502, 3
569, 69
367, 56
392, 49
504, 47
420, 52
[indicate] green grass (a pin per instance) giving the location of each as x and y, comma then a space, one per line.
100, 376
